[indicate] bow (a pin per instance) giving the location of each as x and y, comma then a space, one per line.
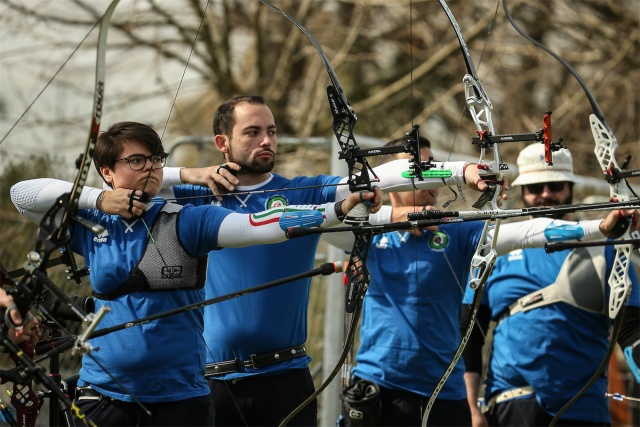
480, 107
51, 235
605, 148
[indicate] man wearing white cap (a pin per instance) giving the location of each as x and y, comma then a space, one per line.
547, 344
544, 185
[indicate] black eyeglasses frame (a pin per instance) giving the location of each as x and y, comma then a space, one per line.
154, 159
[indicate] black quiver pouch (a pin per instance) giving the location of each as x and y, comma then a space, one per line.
361, 403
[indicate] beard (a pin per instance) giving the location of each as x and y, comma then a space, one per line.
550, 201
252, 167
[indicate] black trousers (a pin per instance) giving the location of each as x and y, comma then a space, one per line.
521, 412
194, 412
403, 408
264, 400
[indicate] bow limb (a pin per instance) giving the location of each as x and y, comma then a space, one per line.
94, 129
96, 113
605, 148
480, 107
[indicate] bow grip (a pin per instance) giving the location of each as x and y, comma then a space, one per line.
620, 228
359, 214
492, 179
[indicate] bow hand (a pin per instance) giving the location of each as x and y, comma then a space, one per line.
351, 206
618, 222
221, 179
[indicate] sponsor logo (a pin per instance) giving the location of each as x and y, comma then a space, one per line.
102, 237
171, 272
515, 255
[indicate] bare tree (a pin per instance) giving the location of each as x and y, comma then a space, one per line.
398, 61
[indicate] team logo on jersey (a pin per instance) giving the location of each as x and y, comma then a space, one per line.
438, 241
276, 202
171, 272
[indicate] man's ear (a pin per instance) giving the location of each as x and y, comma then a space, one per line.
222, 143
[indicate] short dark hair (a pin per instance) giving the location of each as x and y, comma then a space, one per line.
110, 143
385, 158
224, 120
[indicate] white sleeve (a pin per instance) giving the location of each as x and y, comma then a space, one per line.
534, 233
391, 179
33, 198
383, 216
344, 240
171, 177
239, 230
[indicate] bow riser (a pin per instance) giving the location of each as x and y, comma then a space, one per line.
605, 151
480, 109
619, 283
485, 256
343, 123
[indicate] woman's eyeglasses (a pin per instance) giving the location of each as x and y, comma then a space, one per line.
538, 188
137, 162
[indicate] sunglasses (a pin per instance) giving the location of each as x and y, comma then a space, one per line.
538, 188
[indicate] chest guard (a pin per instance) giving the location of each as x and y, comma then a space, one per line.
580, 283
165, 265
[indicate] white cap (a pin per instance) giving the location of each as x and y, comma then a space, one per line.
533, 169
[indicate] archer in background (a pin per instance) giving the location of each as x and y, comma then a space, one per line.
147, 264
545, 349
411, 315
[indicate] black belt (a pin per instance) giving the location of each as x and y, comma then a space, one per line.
256, 361
87, 393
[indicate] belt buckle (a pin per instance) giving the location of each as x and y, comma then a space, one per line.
251, 363
83, 394
220, 368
